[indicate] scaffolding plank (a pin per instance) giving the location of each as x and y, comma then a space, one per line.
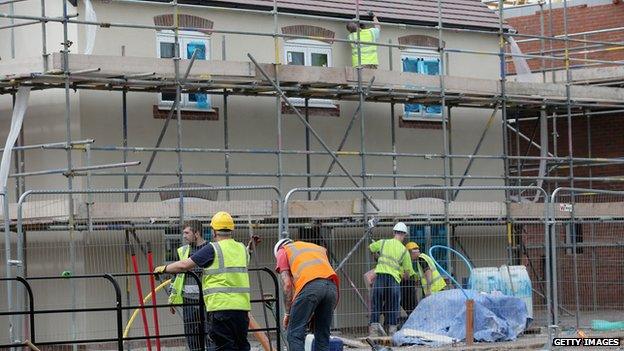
20, 67
112, 66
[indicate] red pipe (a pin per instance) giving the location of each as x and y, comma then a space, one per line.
150, 263
137, 280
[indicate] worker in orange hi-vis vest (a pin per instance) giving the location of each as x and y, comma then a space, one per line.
310, 291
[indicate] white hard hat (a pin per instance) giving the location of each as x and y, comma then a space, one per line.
400, 227
280, 243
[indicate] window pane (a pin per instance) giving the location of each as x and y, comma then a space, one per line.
196, 45
413, 108
295, 58
168, 96
167, 50
434, 109
431, 67
410, 64
319, 60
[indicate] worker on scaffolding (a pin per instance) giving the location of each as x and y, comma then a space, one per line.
430, 279
310, 291
392, 264
185, 291
225, 284
368, 52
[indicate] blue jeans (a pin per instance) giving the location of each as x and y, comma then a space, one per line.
315, 302
386, 299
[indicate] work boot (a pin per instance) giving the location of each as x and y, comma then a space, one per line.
392, 329
375, 329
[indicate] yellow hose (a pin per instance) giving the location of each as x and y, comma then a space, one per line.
145, 300
260, 336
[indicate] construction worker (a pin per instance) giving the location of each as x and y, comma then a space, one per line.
225, 284
310, 291
392, 263
186, 290
430, 279
368, 52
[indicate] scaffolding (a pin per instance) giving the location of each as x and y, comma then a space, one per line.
547, 101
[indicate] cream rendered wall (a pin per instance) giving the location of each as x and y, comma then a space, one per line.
252, 121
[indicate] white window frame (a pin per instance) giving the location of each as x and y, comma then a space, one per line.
423, 115
184, 38
309, 47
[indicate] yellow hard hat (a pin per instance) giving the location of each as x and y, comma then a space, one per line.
411, 245
222, 221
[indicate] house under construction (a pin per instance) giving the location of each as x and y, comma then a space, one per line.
128, 117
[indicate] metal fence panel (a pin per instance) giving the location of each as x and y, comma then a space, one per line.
96, 232
480, 225
588, 226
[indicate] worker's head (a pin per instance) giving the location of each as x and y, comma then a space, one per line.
192, 231
279, 244
222, 225
400, 231
352, 26
413, 249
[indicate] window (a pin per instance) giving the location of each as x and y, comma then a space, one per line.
309, 53
421, 62
189, 42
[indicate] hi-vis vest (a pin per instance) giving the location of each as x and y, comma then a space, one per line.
177, 287
368, 52
391, 257
437, 283
225, 282
307, 262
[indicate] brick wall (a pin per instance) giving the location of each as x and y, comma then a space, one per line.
581, 18
607, 141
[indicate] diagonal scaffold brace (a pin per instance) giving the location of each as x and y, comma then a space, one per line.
281, 93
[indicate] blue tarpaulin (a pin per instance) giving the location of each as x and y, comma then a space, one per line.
496, 318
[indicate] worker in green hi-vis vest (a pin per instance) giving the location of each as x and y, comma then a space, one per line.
368, 52
185, 290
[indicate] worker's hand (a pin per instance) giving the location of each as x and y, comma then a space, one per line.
254, 241
286, 320
160, 269
172, 309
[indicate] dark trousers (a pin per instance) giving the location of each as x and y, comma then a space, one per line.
316, 301
386, 299
192, 325
228, 330
409, 299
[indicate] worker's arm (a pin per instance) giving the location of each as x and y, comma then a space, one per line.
180, 266
407, 266
376, 23
375, 246
428, 278
289, 291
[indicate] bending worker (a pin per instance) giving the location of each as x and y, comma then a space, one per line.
392, 263
310, 291
430, 279
225, 284
186, 290
368, 52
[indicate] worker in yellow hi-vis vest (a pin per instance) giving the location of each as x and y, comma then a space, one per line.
430, 279
184, 290
368, 52
393, 262
225, 284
